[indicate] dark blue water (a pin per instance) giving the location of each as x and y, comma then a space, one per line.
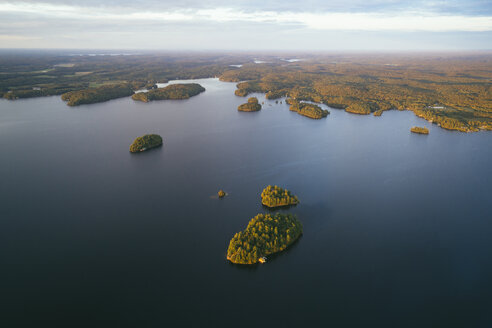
397, 226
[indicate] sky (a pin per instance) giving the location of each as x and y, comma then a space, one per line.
302, 25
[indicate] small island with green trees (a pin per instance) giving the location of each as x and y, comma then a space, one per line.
146, 142
221, 193
419, 130
274, 196
251, 106
97, 95
265, 234
307, 109
171, 92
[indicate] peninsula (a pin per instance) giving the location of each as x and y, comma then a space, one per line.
308, 110
146, 142
171, 92
274, 196
265, 234
97, 95
359, 108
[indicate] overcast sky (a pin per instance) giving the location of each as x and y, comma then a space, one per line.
247, 25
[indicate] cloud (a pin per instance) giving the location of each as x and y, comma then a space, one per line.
333, 21
11, 37
356, 21
468, 7
244, 25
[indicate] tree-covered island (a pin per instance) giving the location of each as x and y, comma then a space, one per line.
420, 130
265, 234
274, 196
97, 95
307, 109
171, 92
145, 142
251, 106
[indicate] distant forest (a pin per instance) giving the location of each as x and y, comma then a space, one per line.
452, 90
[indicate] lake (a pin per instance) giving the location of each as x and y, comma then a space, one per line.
397, 226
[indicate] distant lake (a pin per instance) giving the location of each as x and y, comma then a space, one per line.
397, 226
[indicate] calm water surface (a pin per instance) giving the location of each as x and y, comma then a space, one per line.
397, 226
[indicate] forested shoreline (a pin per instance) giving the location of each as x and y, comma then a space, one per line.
453, 91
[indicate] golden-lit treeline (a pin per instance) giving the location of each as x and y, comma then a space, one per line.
452, 92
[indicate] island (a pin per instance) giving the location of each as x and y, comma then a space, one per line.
171, 92
419, 130
221, 193
145, 142
309, 110
251, 106
274, 196
265, 234
97, 95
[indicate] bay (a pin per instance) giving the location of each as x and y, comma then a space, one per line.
396, 225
